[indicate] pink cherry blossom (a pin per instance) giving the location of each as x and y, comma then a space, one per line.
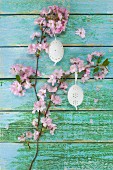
44, 12
48, 18
101, 74
84, 78
86, 75
63, 86
42, 93
39, 106
40, 21
67, 72
39, 74
45, 46
48, 114
35, 122
39, 46
15, 69
58, 24
52, 128
75, 60
81, 32
29, 134
58, 73
26, 72
16, 89
46, 121
51, 24
73, 68
81, 66
60, 15
51, 89
52, 79
87, 71
27, 85
22, 138
89, 59
56, 99
36, 34
98, 54
32, 48
78, 63
36, 135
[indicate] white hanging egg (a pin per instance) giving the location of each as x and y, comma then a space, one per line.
56, 51
75, 95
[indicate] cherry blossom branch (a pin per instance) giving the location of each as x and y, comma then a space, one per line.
36, 154
51, 21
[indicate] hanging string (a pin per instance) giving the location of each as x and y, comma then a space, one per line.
76, 76
55, 39
54, 64
55, 36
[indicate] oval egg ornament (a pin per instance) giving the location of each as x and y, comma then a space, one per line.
56, 51
75, 94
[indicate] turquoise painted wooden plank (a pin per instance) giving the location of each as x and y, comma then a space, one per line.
19, 28
81, 126
105, 96
34, 6
10, 56
58, 156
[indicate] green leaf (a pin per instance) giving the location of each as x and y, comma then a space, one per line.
96, 69
99, 60
43, 129
106, 62
18, 78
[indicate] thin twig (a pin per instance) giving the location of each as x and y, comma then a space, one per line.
39, 113
36, 154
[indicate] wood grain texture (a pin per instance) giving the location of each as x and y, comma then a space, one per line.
105, 96
78, 6
80, 126
11, 56
84, 138
98, 30
58, 157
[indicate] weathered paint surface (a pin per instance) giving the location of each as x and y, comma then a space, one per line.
105, 96
78, 6
84, 138
73, 126
98, 28
11, 56
55, 156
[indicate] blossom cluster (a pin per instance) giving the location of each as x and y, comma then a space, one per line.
23, 82
34, 48
54, 19
56, 81
50, 89
100, 68
29, 135
51, 21
47, 123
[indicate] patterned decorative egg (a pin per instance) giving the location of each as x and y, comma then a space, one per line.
75, 95
56, 51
